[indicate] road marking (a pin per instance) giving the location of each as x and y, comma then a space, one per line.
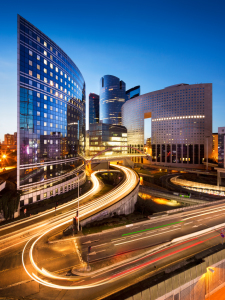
100, 245
160, 226
142, 238
94, 253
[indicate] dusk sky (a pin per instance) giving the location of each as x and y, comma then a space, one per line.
153, 44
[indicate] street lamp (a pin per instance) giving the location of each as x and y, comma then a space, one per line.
78, 202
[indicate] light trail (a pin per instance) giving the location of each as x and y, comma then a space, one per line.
153, 228
90, 208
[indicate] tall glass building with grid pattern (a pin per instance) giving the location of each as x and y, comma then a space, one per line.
181, 123
112, 97
51, 116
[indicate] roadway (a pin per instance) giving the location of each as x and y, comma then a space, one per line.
177, 237
164, 241
14, 236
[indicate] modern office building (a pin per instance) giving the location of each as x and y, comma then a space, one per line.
181, 121
133, 92
112, 97
93, 108
103, 136
51, 116
221, 142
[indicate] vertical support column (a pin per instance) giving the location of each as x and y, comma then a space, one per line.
218, 178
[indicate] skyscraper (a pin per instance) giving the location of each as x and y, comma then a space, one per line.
133, 92
93, 108
112, 97
181, 121
51, 116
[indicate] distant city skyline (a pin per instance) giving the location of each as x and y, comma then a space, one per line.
150, 44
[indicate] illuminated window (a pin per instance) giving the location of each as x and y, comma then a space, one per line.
45, 106
51, 66
30, 72
38, 67
56, 77
45, 97
38, 39
45, 44
51, 100
38, 113
61, 73
45, 124
57, 86
38, 94
45, 70
38, 104
51, 116
51, 74
65, 76
38, 122
45, 115
30, 53
51, 57
56, 69
51, 125
45, 53
51, 107
45, 132
45, 62
45, 195
38, 57
30, 62
45, 80
56, 125
51, 82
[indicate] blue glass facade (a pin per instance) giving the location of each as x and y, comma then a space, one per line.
112, 97
51, 110
133, 92
93, 108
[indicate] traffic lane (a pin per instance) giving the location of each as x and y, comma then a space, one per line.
143, 268
108, 236
148, 239
163, 257
132, 243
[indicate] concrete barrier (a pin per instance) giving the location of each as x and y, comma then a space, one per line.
124, 206
196, 283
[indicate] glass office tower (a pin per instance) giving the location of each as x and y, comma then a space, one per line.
51, 116
112, 97
93, 108
133, 92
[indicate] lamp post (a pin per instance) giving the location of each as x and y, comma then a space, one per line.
207, 158
78, 203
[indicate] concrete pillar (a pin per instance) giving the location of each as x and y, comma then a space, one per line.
218, 179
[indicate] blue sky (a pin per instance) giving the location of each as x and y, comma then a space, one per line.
149, 43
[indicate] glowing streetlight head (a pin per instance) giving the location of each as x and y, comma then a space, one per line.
211, 270
4, 156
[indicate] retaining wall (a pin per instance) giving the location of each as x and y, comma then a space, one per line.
125, 206
197, 283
